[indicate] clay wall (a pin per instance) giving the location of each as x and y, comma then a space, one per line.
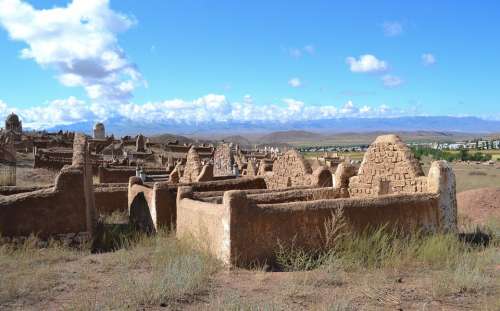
10, 190
266, 218
207, 223
274, 196
122, 174
266, 224
159, 201
51, 163
110, 198
68, 207
304, 222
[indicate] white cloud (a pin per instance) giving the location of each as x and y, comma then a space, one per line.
391, 81
79, 41
206, 109
428, 59
366, 63
349, 108
392, 29
365, 109
295, 82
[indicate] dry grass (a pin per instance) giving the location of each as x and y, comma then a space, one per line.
457, 267
373, 270
148, 271
30, 272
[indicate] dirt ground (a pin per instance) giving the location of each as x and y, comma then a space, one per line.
26, 175
61, 279
102, 282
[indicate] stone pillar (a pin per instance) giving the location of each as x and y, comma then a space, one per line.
139, 143
81, 160
441, 180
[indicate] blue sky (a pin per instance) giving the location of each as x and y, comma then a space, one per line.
217, 60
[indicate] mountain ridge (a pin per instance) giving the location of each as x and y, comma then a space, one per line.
120, 126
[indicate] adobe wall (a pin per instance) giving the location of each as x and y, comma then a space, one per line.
10, 190
150, 208
274, 196
110, 198
388, 167
156, 206
291, 169
257, 217
68, 207
223, 160
51, 163
207, 223
122, 174
266, 224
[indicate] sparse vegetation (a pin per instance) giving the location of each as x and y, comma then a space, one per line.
450, 156
159, 270
156, 271
30, 269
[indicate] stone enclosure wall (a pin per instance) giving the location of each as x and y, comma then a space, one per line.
388, 167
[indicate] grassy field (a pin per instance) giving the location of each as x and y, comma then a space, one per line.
372, 271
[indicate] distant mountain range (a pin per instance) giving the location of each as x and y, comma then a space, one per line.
120, 126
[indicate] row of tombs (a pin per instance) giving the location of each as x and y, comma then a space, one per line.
242, 219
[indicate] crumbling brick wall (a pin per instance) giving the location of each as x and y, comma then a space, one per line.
223, 160
388, 167
290, 170
193, 167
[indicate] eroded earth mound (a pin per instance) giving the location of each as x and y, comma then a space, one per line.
479, 205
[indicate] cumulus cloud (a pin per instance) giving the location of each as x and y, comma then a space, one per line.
428, 59
206, 109
295, 82
79, 41
391, 81
392, 29
366, 63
